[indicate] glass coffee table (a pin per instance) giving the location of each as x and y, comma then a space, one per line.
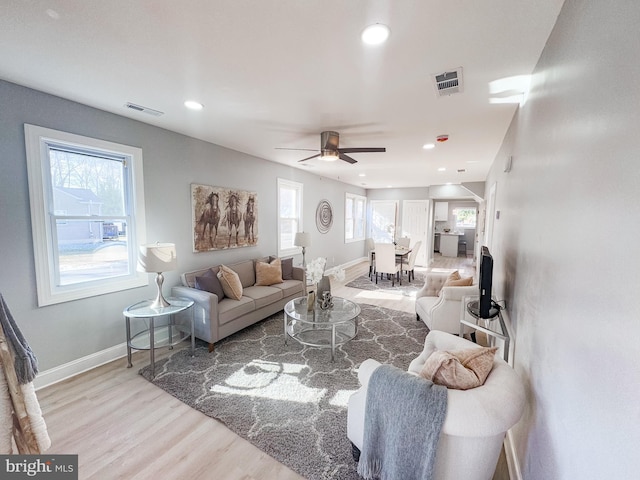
321, 328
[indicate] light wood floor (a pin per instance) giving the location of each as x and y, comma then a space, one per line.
123, 427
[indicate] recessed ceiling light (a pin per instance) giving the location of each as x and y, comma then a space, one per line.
389, 186
375, 34
193, 105
362, 175
442, 169
428, 146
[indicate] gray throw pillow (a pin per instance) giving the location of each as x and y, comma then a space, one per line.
209, 282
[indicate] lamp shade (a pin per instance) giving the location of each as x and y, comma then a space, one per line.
157, 257
303, 239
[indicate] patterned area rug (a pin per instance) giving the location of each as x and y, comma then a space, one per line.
408, 289
289, 400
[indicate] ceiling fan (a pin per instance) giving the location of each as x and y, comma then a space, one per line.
330, 151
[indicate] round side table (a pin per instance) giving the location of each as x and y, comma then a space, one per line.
146, 339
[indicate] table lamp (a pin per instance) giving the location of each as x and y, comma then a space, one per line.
158, 258
303, 239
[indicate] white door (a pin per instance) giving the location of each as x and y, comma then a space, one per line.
414, 225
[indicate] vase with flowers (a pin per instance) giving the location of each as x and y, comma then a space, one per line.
316, 275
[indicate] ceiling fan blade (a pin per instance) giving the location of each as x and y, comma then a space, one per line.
362, 150
347, 158
304, 149
309, 158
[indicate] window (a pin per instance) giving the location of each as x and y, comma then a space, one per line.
289, 215
465, 217
354, 217
384, 216
87, 214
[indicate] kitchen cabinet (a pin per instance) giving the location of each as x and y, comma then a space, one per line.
442, 211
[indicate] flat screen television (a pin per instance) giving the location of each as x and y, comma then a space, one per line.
485, 307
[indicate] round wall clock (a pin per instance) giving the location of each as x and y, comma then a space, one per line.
324, 216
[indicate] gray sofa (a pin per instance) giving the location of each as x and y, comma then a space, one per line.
217, 318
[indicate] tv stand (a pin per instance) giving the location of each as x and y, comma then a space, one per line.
474, 309
489, 326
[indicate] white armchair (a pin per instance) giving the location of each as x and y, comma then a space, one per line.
476, 421
442, 312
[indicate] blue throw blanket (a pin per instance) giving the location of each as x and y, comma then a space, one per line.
403, 418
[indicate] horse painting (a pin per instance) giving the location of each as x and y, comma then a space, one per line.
249, 218
232, 215
220, 211
210, 217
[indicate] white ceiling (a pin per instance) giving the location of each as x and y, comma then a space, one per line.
276, 73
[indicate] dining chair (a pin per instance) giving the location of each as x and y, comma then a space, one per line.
403, 242
411, 262
386, 262
371, 246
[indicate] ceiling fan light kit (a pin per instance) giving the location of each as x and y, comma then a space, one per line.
329, 149
329, 155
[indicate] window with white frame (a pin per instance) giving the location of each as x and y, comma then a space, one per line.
87, 214
384, 220
289, 215
465, 217
355, 215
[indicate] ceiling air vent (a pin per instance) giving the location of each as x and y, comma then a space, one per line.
449, 82
140, 108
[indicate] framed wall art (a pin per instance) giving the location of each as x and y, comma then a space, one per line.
223, 218
324, 216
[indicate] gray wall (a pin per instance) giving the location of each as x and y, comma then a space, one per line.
68, 331
572, 297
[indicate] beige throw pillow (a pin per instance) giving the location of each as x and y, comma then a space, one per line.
455, 280
269, 273
460, 369
230, 282
462, 282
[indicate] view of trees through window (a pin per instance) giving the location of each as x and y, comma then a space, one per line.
465, 217
85, 184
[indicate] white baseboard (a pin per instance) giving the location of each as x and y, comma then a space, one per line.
331, 270
80, 365
512, 459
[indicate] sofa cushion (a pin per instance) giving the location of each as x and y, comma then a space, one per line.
209, 282
230, 282
459, 369
290, 287
263, 295
246, 271
287, 267
229, 310
268, 273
